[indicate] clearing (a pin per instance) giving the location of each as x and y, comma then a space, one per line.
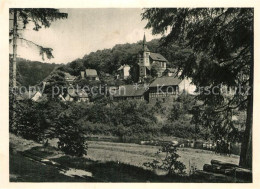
105, 162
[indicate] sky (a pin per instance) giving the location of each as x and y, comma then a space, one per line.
85, 31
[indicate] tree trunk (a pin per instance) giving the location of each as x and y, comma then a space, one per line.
246, 148
13, 81
14, 48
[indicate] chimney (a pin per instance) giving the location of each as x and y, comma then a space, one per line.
82, 74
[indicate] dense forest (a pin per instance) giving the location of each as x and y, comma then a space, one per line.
32, 72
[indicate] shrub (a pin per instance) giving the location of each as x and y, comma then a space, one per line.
71, 136
28, 121
182, 129
169, 163
176, 112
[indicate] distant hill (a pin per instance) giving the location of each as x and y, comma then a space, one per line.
104, 61
109, 60
30, 73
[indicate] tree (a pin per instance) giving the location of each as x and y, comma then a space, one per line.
70, 134
222, 43
175, 112
169, 163
31, 122
40, 18
154, 70
56, 85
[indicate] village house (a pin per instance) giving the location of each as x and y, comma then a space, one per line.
76, 95
167, 88
83, 96
123, 72
128, 92
69, 78
90, 74
171, 72
147, 59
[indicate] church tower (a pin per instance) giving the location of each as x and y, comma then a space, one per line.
146, 53
144, 61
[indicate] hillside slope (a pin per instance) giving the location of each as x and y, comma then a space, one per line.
30, 73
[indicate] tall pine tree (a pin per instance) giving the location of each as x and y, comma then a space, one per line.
222, 43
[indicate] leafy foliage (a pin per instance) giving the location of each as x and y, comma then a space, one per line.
55, 86
169, 163
30, 123
221, 40
31, 73
109, 60
45, 120
71, 138
40, 18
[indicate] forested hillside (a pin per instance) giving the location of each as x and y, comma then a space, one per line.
109, 60
32, 72
104, 61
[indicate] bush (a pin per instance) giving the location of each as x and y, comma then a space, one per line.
28, 121
176, 112
169, 163
182, 129
71, 136
96, 128
136, 133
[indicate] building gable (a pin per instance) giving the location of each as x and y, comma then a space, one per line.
91, 73
157, 57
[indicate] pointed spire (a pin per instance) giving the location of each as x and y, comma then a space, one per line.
144, 40
144, 44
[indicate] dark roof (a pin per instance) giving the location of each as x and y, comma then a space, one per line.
72, 92
68, 76
91, 72
77, 93
166, 81
158, 57
173, 70
122, 67
129, 91
83, 94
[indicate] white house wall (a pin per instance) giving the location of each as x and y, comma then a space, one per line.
37, 96
187, 86
126, 71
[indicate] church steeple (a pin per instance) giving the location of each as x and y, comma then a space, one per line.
145, 48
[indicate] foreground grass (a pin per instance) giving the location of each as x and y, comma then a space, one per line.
135, 154
23, 169
106, 161
118, 172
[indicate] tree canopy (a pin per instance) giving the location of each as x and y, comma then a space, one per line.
221, 40
41, 17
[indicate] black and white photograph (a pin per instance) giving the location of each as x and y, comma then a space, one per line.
131, 95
